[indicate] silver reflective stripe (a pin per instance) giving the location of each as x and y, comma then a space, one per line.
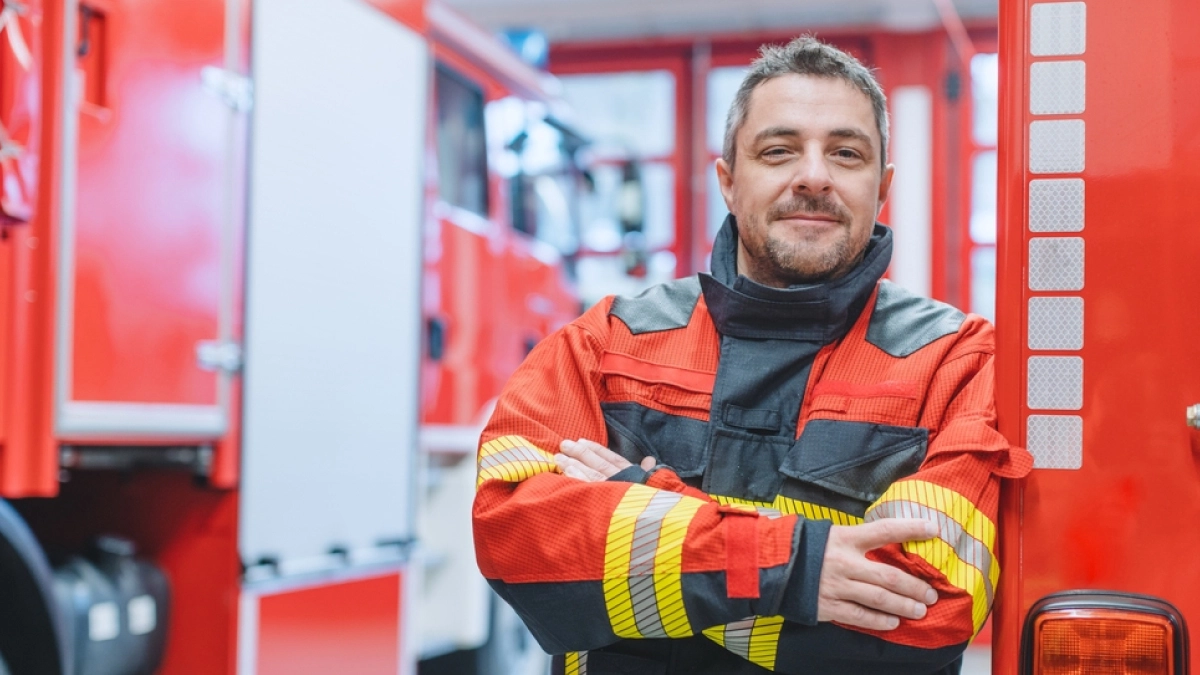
641, 564
737, 637
969, 549
512, 456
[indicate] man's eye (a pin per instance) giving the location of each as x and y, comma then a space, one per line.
847, 153
775, 152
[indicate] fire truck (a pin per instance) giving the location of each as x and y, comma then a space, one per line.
264, 264
1096, 319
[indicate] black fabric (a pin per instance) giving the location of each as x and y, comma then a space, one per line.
678, 441
817, 650
855, 459
631, 474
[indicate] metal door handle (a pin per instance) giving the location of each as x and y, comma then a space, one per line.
1193, 416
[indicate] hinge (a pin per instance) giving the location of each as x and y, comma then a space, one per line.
237, 91
219, 355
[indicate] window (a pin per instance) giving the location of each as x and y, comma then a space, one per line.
985, 82
461, 142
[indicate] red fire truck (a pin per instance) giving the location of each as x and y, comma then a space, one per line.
234, 236
1097, 318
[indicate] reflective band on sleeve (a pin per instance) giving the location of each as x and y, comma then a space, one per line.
643, 562
512, 459
755, 639
576, 663
964, 550
786, 506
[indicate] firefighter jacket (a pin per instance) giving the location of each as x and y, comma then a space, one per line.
773, 414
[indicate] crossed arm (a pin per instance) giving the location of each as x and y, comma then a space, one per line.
853, 590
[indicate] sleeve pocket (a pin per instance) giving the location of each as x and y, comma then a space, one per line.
855, 459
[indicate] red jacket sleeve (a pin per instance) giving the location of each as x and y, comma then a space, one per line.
957, 487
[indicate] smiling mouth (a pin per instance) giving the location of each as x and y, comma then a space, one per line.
811, 217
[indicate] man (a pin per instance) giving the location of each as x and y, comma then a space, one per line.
785, 466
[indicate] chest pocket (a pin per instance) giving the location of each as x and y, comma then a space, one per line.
848, 465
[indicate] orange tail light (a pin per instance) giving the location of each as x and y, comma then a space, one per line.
1104, 633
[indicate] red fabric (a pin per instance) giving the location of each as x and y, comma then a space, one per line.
741, 545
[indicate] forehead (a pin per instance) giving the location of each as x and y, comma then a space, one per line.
811, 105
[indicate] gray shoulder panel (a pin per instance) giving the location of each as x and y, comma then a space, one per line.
904, 322
662, 307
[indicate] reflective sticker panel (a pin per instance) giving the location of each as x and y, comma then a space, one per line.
1056, 264
1055, 441
1056, 323
1058, 28
1057, 87
1056, 205
1055, 383
1056, 146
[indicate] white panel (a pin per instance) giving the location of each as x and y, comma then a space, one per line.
1056, 323
912, 189
1056, 205
334, 258
1058, 28
1057, 87
1055, 441
1056, 263
1056, 146
1055, 383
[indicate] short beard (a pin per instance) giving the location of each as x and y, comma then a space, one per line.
794, 263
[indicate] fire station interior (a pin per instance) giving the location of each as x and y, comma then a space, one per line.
266, 267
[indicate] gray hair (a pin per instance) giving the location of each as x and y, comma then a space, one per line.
804, 55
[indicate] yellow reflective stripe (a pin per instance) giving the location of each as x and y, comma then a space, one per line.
764, 641
716, 634
643, 563
512, 459
755, 639
668, 567
788, 506
617, 549
576, 663
965, 550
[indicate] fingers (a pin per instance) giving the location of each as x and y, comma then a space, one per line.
853, 614
896, 584
647, 463
594, 456
891, 531
573, 468
880, 599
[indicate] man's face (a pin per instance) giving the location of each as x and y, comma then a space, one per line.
807, 183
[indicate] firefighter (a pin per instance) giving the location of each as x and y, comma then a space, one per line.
788, 465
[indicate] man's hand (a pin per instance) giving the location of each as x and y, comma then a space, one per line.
592, 462
860, 592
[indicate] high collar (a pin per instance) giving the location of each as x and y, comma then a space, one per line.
821, 312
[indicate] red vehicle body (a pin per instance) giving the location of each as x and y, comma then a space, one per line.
1096, 365
216, 296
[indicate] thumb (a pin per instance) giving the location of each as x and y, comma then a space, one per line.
647, 463
893, 531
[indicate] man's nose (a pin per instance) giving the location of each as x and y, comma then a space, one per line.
812, 173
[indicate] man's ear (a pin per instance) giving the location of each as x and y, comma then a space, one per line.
725, 180
885, 186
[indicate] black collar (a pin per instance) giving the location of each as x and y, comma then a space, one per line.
821, 312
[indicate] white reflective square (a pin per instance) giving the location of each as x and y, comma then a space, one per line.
143, 615
1057, 28
1056, 205
104, 621
1057, 87
1054, 383
1056, 323
1056, 146
1055, 441
1056, 264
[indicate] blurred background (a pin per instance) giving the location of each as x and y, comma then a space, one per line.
268, 263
